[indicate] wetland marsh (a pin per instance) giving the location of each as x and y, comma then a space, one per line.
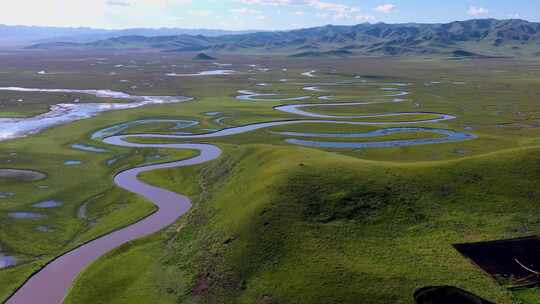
403, 154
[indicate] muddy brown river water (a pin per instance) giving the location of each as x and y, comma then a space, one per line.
50, 284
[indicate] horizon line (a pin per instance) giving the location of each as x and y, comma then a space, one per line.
252, 30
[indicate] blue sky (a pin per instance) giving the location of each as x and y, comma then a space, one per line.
254, 14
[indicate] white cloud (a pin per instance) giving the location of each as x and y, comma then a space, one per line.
53, 12
336, 7
200, 13
272, 2
328, 9
385, 8
244, 11
178, 13
335, 10
118, 3
364, 18
477, 11
155, 3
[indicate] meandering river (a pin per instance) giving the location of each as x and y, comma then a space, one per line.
64, 113
51, 283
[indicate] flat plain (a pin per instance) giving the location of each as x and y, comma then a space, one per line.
274, 219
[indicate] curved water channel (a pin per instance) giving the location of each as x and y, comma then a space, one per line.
59, 114
51, 283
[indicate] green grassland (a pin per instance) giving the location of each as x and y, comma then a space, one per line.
272, 222
305, 226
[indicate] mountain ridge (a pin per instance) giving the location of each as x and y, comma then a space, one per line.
25, 34
483, 37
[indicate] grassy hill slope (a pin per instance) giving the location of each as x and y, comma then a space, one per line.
283, 225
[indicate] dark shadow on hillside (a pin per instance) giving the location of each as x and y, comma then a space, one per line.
512, 262
446, 295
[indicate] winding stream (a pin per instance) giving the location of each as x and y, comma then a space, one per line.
68, 112
50, 284
247, 95
449, 136
205, 73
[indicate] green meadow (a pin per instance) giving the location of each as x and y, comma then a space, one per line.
273, 222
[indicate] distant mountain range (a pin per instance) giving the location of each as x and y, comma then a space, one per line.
25, 35
472, 38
